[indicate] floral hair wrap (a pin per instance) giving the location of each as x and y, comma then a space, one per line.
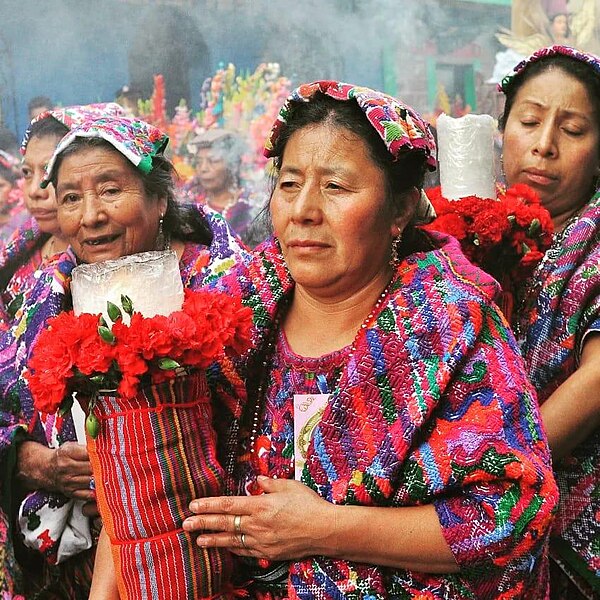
589, 59
136, 140
399, 126
73, 116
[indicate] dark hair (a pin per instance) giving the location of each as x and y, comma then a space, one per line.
38, 102
47, 127
8, 140
126, 91
584, 73
401, 174
181, 222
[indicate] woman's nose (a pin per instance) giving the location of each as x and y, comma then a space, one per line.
35, 191
307, 204
92, 211
545, 144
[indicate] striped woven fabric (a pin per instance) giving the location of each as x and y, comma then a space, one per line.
153, 455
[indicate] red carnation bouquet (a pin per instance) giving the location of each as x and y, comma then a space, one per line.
81, 353
506, 237
151, 441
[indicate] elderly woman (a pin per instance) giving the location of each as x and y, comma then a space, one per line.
115, 197
551, 127
218, 162
384, 381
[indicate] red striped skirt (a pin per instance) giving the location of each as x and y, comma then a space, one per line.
153, 455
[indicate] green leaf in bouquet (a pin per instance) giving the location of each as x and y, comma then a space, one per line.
92, 425
107, 335
65, 406
114, 312
168, 364
525, 248
15, 305
98, 380
102, 322
127, 304
534, 228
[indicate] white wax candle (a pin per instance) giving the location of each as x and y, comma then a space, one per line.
151, 280
466, 156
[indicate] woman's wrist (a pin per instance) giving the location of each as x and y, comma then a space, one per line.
34, 466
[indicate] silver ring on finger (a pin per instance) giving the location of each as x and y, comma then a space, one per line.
237, 524
243, 541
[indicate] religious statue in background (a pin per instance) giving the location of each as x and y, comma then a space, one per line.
538, 23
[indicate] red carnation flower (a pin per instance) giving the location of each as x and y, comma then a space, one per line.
450, 223
74, 350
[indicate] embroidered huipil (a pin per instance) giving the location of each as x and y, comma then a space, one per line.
562, 308
273, 452
446, 417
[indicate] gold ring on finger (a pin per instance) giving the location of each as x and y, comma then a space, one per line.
237, 524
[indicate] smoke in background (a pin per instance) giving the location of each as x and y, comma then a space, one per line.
78, 51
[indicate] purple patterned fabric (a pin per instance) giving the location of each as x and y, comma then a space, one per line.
590, 59
562, 307
399, 126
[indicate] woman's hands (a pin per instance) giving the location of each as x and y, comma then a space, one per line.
66, 469
288, 521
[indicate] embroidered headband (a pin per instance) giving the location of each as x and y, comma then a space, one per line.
584, 57
136, 140
399, 126
72, 116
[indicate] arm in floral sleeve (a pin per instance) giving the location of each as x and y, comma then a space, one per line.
491, 451
47, 460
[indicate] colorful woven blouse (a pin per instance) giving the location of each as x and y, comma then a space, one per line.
274, 456
562, 308
46, 517
447, 417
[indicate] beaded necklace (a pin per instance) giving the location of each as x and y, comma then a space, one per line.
270, 346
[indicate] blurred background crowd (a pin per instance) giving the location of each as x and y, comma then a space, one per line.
213, 72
